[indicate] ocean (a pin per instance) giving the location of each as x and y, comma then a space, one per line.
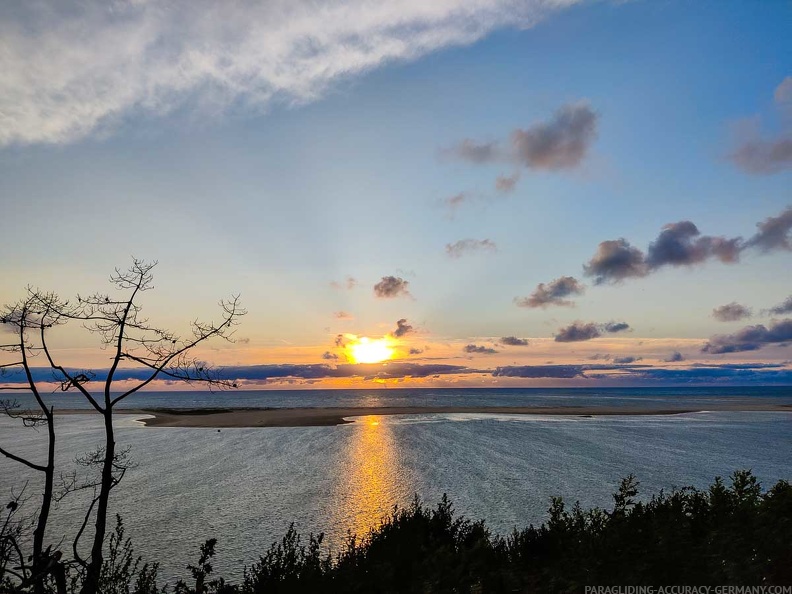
246, 486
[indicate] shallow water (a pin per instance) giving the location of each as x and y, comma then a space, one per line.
244, 486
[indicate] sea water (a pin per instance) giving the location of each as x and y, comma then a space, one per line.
246, 486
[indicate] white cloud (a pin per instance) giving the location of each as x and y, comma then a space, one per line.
76, 67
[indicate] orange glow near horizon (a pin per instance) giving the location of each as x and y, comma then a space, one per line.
366, 350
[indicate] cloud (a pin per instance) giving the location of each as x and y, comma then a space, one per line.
614, 261
782, 308
540, 371
731, 312
626, 360
764, 156
452, 203
750, 338
553, 293
561, 142
475, 152
348, 284
473, 348
390, 287
674, 357
415, 351
578, 331
402, 329
614, 327
774, 233
327, 355
506, 183
513, 341
681, 244
343, 315
72, 67
469, 246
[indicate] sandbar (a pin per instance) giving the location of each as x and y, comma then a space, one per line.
218, 418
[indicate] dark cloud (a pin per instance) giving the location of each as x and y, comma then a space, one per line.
402, 328
578, 331
540, 371
615, 261
681, 244
614, 327
469, 246
342, 315
553, 293
327, 355
626, 360
340, 340
390, 287
561, 143
600, 357
714, 374
782, 308
731, 312
763, 156
750, 338
513, 341
348, 283
474, 348
415, 351
774, 233
388, 370
674, 357
506, 183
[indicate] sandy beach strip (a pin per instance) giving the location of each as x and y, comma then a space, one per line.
217, 418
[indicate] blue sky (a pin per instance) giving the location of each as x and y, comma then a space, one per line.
244, 162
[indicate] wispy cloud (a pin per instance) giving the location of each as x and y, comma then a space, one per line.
349, 283
470, 246
762, 155
72, 67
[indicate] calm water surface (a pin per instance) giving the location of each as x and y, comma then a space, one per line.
245, 486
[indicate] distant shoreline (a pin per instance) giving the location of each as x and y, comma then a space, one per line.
217, 418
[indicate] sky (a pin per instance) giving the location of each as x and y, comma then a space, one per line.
491, 192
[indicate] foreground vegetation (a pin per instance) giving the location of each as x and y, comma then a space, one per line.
726, 534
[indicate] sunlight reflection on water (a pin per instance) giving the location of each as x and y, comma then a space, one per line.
372, 474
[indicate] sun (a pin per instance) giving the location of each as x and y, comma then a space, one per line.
366, 350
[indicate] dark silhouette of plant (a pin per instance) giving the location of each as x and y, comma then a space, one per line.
131, 339
29, 321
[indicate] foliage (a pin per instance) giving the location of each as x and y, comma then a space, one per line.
726, 534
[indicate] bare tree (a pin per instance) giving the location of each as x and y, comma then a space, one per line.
134, 342
28, 321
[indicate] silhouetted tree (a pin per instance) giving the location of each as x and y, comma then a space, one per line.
29, 321
132, 340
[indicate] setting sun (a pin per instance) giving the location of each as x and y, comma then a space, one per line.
366, 350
